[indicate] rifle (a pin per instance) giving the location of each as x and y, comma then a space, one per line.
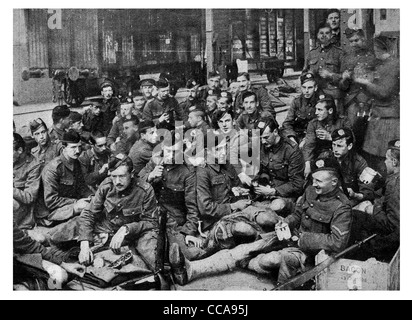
161, 240
306, 276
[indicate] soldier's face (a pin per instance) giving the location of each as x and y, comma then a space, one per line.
147, 91
192, 93
390, 162
151, 136
121, 178
213, 83
226, 123
77, 126
107, 93
324, 35
334, 20
268, 138
95, 110
164, 93
357, 42
244, 83
223, 104
250, 104
323, 182
341, 148
321, 111
129, 129
100, 146
308, 89
211, 103
41, 136
126, 109
139, 102
234, 88
193, 120
73, 150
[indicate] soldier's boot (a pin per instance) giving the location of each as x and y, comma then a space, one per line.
185, 271
265, 263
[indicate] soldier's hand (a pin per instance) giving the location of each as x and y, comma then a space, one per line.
240, 205
80, 205
164, 117
156, 173
323, 134
308, 169
245, 179
117, 240
266, 191
196, 242
354, 195
325, 74
85, 255
104, 168
74, 268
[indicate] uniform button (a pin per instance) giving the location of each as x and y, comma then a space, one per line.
311, 204
271, 160
307, 217
320, 67
320, 219
117, 217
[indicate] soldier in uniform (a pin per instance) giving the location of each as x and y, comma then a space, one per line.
192, 102
139, 103
95, 161
26, 182
93, 117
325, 63
164, 111
359, 62
281, 162
61, 122
262, 94
352, 166
147, 88
46, 149
225, 101
174, 182
251, 115
383, 217
65, 191
318, 137
211, 105
213, 83
129, 137
116, 131
302, 110
321, 221
77, 125
111, 106
125, 209
142, 150
333, 19
197, 121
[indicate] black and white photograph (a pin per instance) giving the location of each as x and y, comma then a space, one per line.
206, 150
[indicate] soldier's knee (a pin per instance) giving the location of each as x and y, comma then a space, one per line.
243, 229
278, 205
267, 219
271, 260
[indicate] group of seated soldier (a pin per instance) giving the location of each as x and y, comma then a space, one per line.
220, 166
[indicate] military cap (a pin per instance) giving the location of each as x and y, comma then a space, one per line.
146, 124
147, 82
350, 32
61, 111
325, 97
137, 93
119, 160
162, 83
326, 164
213, 74
75, 116
394, 145
36, 124
191, 83
71, 136
305, 77
342, 133
105, 84
212, 92
225, 94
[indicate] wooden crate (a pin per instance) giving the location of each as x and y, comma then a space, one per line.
368, 275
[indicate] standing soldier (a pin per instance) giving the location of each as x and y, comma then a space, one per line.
65, 191
302, 110
111, 105
359, 62
333, 19
61, 122
95, 161
26, 182
46, 150
213, 83
325, 63
163, 110
318, 137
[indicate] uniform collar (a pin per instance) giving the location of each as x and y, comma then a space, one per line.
215, 167
325, 197
275, 147
60, 132
126, 191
